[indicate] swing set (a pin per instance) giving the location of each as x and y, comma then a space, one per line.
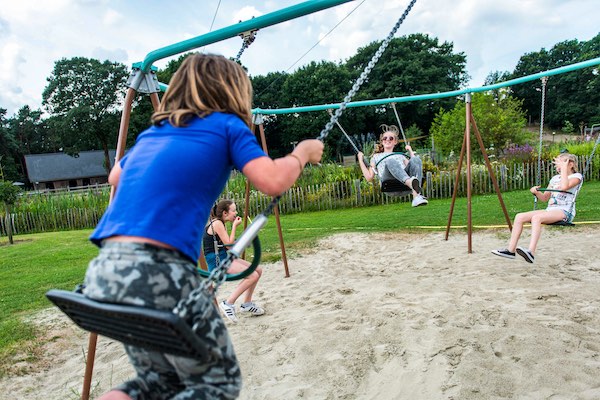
173, 332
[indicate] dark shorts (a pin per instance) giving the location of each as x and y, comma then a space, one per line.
153, 277
211, 259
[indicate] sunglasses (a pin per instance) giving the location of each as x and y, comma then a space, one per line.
388, 138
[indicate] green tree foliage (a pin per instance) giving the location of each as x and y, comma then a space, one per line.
574, 96
31, 135
84, 97
500, 122
315, 83
30, 130
413, 64
268, 93
497, 77
9, 150
410, 65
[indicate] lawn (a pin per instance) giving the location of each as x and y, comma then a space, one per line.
39, 262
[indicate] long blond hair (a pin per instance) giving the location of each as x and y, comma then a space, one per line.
203, 84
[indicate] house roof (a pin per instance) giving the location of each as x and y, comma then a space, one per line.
60, 166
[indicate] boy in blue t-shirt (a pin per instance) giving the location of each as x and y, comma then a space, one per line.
150, 235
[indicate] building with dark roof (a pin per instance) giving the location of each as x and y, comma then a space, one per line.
60, 170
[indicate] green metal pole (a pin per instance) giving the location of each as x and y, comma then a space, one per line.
568, 68
273, 18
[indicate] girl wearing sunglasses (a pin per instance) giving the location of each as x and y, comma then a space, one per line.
389, 165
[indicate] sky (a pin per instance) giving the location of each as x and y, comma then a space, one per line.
492, 34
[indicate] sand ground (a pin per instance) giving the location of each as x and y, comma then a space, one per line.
392, 316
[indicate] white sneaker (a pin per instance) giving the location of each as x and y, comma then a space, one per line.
419, 201
228, 310
252, 308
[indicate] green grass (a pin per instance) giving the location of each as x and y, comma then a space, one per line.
39, 262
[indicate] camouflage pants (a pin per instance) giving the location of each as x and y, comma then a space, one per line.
148, 276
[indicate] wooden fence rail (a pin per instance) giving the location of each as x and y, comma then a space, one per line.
318, 197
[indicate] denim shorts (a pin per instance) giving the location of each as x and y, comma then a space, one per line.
568, 216
211, 259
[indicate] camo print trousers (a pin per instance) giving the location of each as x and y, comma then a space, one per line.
153, 277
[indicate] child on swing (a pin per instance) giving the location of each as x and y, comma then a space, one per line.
561, 207
215, 242
150, 235
388, 165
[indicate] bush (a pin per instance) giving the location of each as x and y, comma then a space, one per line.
9, 193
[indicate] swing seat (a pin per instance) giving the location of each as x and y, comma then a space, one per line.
562, 223
157, 330
393, 186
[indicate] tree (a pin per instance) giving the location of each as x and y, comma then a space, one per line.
500, 122
315, 83
31, 135
413, 64
9, 150
9, 195
268, 93
84, 97
573, 96
497, 77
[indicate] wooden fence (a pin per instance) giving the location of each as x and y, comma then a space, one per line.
318, 197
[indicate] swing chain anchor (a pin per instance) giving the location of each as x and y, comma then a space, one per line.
247, 39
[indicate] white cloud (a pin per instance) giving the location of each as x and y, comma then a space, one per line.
119, 55
245, 13
112, 17
493, 35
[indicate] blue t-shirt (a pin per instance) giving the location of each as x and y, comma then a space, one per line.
171, 178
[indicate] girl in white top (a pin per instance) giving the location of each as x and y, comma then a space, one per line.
561, 207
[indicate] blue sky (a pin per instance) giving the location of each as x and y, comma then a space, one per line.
493, 34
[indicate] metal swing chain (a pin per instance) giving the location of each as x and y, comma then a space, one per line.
345, 133
539, 171
248, 37
201, 297
589, 160
364, 74
399, 123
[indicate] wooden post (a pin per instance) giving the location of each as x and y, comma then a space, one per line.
263, 140
469, 180
466, 152
491, 172
456, 182
122, 140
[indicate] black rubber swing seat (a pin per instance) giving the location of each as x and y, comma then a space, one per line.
394, 186
562, 223
157, 330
